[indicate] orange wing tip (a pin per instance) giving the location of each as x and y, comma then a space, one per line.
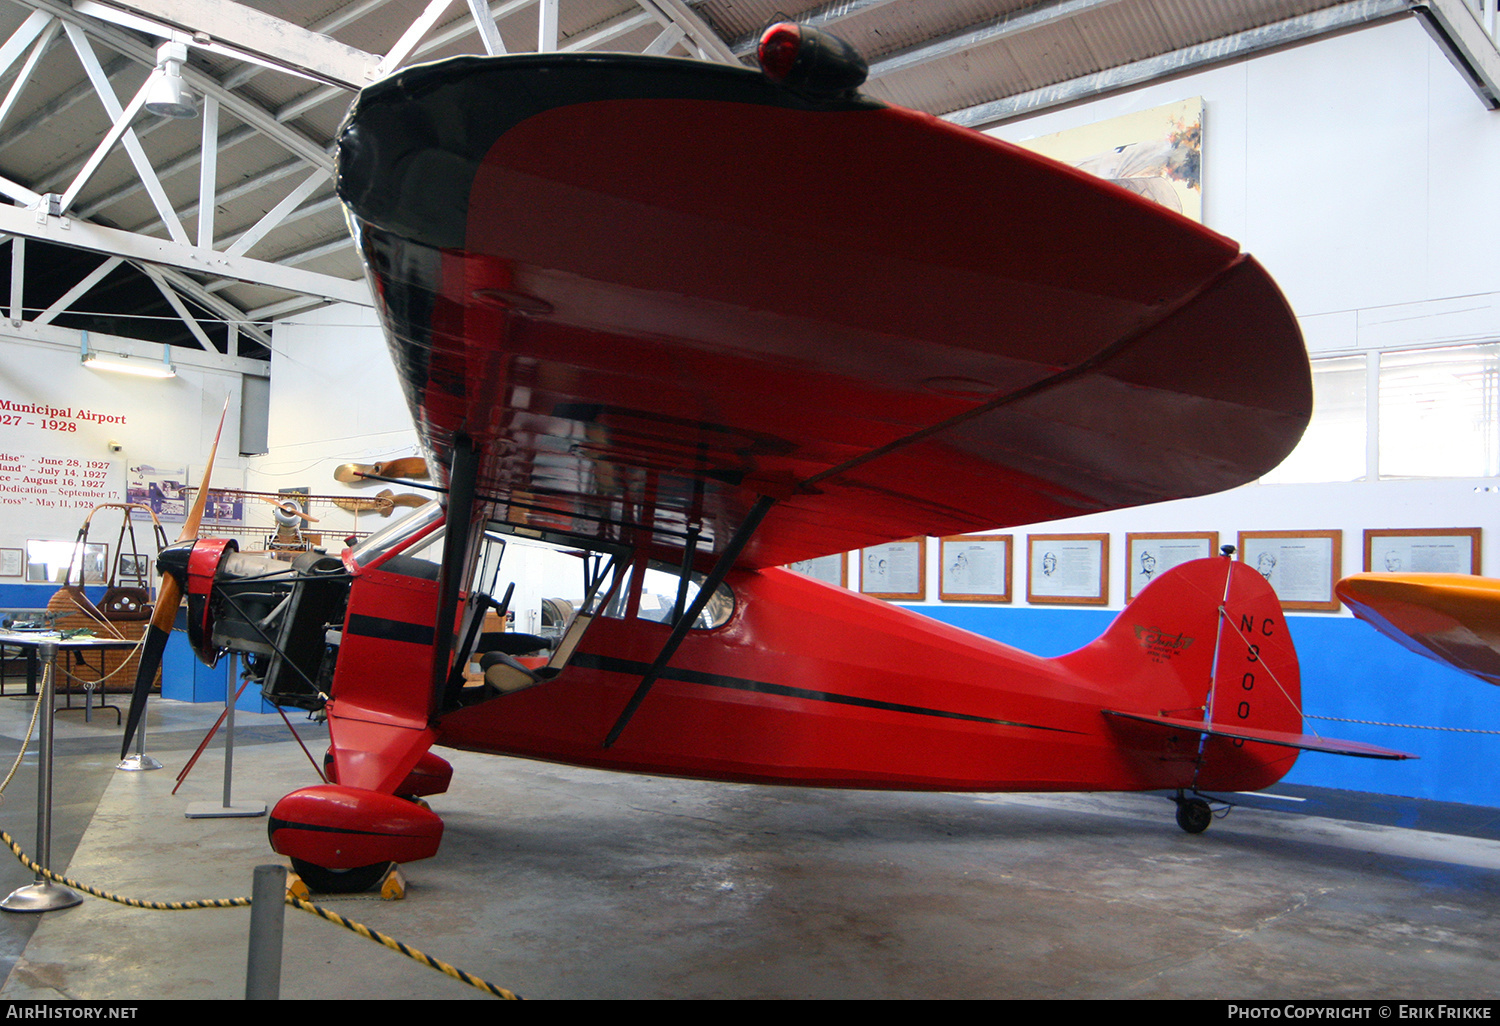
1306, 742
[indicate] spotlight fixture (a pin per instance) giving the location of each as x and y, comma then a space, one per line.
168, 96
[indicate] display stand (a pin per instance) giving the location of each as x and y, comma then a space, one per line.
140, 761
228, 808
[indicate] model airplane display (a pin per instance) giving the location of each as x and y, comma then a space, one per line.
687, 323
1452, 618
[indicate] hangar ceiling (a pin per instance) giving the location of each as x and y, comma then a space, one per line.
197, 231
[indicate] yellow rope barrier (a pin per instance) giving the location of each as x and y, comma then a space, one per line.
409, 952
291, 899
306, 906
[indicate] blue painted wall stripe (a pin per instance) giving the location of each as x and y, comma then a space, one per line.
1349, 671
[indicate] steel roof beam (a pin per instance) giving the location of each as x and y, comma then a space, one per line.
1469, 44
238, 31
703, 38
1128, 76
80, 234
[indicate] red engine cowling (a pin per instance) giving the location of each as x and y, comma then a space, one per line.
340, 827
195, 565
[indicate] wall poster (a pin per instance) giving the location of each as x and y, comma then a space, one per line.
1148, 555
896, 570
1428, 550
1301, 565
976, 568
1068, 568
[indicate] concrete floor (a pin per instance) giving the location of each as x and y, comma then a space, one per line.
565, 883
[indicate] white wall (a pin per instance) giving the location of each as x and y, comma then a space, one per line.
1360, 171
335, 399
163, 422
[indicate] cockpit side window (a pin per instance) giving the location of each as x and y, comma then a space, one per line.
660, 587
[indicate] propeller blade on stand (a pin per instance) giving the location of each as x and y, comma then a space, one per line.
167, 601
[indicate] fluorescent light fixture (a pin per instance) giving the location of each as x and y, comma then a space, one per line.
126, 364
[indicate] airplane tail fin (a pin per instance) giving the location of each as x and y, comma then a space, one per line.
1208, 682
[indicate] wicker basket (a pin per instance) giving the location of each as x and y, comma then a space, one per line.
124, 611
116, 668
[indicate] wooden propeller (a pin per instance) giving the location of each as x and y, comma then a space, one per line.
355, 473
169, 598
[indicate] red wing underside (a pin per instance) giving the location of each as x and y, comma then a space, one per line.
1306, 742
652, 291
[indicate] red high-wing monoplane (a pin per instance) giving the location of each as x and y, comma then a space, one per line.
687, 323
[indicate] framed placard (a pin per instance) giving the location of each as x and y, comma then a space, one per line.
895, 570
1301, 565
134, 567
828, 569
1149, 554
1425, 550
976, 568
1071, 569
12, 562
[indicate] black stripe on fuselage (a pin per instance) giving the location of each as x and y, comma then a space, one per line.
610, 664
390, 630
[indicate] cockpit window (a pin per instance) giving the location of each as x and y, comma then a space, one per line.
659, 592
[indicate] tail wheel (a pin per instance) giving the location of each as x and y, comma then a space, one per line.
340, 881
1194, 815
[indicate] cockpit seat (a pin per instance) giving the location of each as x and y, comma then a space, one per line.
505, 673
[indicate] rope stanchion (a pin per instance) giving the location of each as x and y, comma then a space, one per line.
327, 915
159, 906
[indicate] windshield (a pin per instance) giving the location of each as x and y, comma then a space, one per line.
394, 536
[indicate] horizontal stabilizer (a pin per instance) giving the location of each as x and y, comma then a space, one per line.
1307, 742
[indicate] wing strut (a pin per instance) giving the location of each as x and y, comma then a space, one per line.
462, 478
686, 620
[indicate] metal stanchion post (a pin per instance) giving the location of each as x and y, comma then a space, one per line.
205, 810
267, 918
44, 895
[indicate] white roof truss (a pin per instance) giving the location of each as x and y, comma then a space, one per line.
204, 261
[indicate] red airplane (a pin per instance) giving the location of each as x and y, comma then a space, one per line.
687, 323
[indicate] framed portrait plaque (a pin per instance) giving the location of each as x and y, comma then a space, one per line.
1148, 555
828, 569
1070, 569
895, 570
1301, 565
1427, 550
976, 568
